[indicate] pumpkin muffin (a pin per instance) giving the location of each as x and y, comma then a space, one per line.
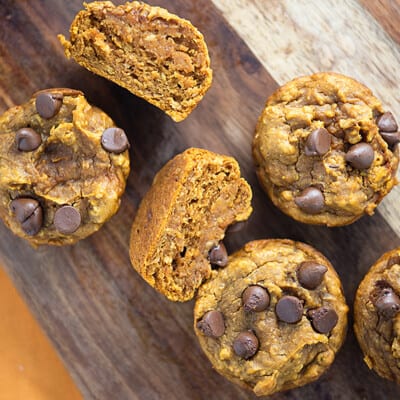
154, 54
63, 167
325, 149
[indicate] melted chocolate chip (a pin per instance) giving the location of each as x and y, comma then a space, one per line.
360, 156
212, 324
387, 123
255, 298
236, 227
323, 319
48, 104
29, 214
387, 303
318, 142
67, 219
310, 200
246, 345
114, 140
27, 139
289, 309
310, 274
218, 255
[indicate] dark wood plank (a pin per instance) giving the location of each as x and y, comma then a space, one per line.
387, 13
118, 337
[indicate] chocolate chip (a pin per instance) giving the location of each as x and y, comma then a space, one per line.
67, 219
310, 200
246, 345
218, 255
27, 139
48, 104
114, 140
323, 319
391, 138
360, 156
387, 123
236, 227
289, 309
310, 274
387, 303
394, 260
29, 214
212, 324
255, 298
318, 142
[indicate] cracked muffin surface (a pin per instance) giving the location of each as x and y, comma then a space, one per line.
176, 233
273, 318
154, 54
377, 316
325, 150
63, 167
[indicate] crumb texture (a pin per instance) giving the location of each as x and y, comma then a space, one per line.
193, 199
154, 54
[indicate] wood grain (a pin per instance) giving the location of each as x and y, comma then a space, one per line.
293, 38
117, 336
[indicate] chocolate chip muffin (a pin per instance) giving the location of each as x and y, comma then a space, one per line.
154, 54
177, 232
274, 318
377, 316
63, 167
324, 149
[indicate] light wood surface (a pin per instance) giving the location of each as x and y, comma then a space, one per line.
118, 338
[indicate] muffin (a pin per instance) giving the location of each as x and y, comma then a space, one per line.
154, 54
177, 232
274, 318
325, 149
377, 316
63, 167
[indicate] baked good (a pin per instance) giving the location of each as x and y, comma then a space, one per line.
63, 167
154, 54
377, 316
273, 318
177, 232
325, 149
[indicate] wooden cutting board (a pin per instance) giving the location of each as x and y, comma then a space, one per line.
118, 337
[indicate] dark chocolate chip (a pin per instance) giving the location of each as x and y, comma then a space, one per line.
391, 138
48, 104
29, 214
360, 156
394, 260
218, 255
289, 309
255, 298
246, 345
310, 200
212, 324
310, 274
387, 123
27, 139
318, 142
236, 227
323, 319
114, 140
67, 219
387, 303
